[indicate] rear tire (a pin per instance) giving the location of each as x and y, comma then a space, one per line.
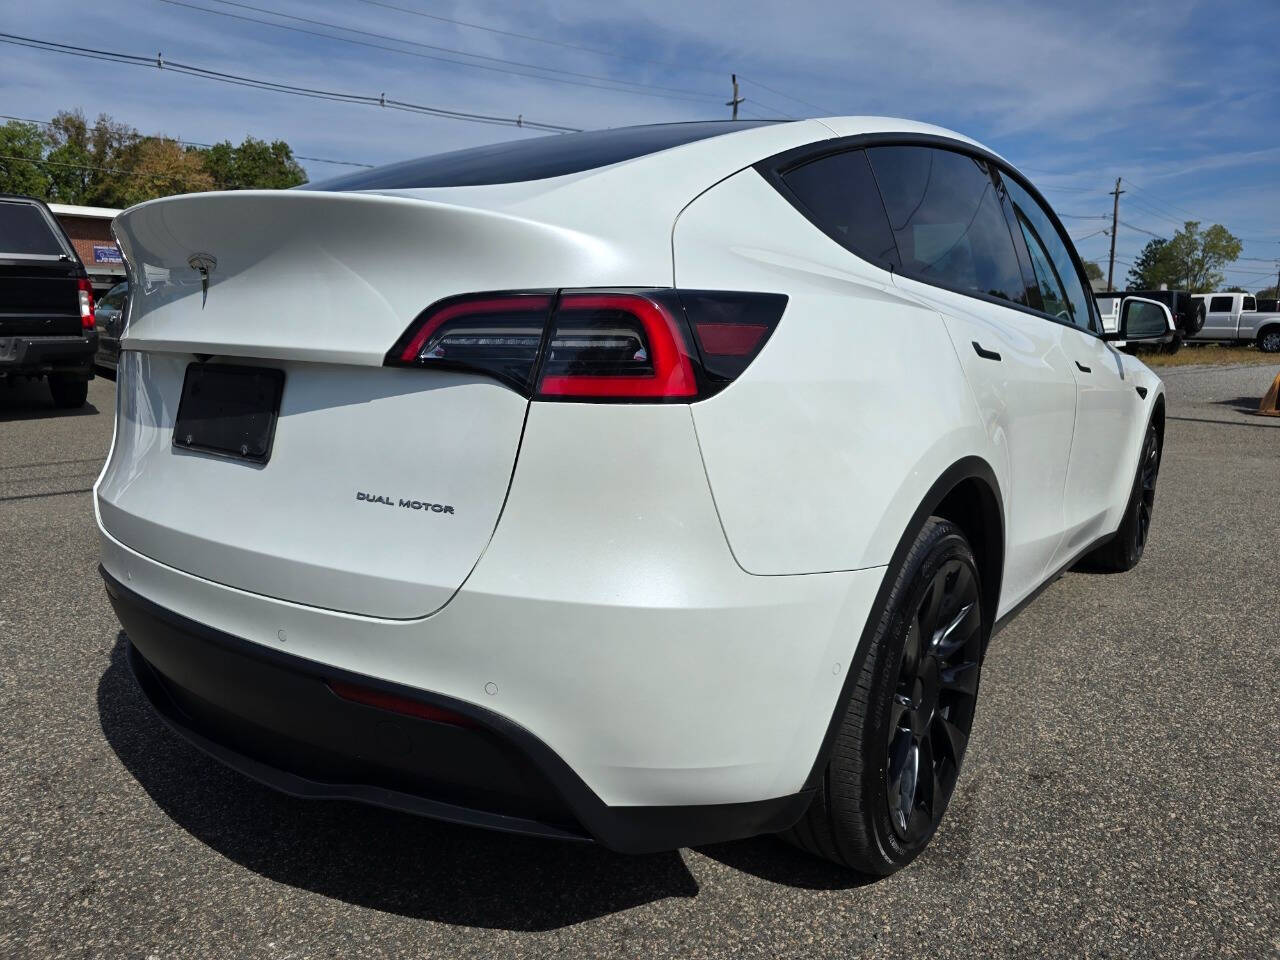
1269, 340
901, 741
1125, 550
68, 394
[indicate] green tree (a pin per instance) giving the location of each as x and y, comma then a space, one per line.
1151, 268
254, 165
160, 168
1268, 293
1196, 257
1092, 271
94, 160
1235, 290
22, 146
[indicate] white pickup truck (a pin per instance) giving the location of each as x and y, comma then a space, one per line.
1234, 317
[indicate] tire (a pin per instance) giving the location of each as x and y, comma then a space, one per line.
1173, 346
1125, 550
909, 703
1195, 321
68, 394
1269, 340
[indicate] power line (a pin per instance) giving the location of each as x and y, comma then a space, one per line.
277, 87
683, 65
674, 94
196, 143
822, 110
1140, 230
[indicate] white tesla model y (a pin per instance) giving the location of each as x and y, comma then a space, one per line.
659, 485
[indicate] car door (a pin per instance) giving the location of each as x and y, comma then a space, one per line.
958, 256
1220, 321
1100, 462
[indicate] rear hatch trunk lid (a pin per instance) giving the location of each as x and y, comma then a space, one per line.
383, 486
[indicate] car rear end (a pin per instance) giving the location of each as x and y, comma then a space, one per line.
46, 302
406, 504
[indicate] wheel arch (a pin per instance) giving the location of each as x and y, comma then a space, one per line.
1268, 327
1157, 417
968, 494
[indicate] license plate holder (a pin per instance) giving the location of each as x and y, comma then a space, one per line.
229, 411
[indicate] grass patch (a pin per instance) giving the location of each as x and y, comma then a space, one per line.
1210, 353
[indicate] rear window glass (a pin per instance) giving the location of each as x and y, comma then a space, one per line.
948, 221
840, 196
24, 231
1250, 304
537, 158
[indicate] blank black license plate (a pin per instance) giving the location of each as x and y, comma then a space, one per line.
229, 410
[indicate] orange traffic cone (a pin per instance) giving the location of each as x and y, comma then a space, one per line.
1270, 405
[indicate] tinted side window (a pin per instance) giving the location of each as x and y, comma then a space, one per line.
24, 230
1220, 305
1039, 230
1250, 304
947, 220
840, 195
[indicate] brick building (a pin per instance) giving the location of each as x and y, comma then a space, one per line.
90, 231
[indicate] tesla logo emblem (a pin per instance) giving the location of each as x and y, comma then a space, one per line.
204, 264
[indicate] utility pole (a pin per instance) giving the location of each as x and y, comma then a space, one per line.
736, 99
1115, 217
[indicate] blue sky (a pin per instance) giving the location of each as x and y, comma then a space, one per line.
1181, 99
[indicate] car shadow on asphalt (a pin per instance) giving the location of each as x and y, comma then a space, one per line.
371, 857
30, 400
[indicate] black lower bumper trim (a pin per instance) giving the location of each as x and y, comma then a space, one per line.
273, 717
33, 356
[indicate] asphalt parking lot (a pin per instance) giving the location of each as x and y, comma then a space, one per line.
1121, 796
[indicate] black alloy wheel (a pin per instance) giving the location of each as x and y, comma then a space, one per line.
1123, 551
931, 713
1148, 471
900, 739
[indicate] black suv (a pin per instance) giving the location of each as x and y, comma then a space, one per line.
46, 303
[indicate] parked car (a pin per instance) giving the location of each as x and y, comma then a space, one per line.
46, 303
1186, 313
1235, 318
658, 485
110, 315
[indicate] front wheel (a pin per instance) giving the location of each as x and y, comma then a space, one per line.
902, 739
1126, 549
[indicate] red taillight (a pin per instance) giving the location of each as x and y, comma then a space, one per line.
496, 333
616, 346
85, 293
398, 704
596, 345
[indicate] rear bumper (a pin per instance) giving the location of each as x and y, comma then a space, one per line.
274, 717
36, 356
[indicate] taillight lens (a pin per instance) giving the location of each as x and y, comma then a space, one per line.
616, 346
597, 345
499, 334
85, 293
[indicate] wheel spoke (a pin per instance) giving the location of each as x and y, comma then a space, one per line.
904, 760
929, 788
931, 608
952, 739
961, 677
898, 707
912, 651
958, 631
